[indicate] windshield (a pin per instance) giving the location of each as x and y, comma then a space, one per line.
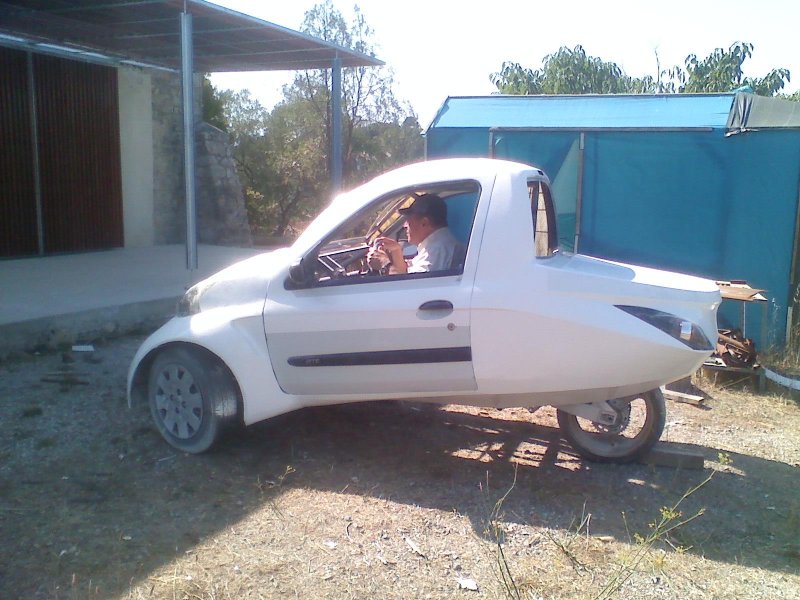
386, 221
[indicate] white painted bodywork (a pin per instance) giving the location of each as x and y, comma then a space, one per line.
541, 330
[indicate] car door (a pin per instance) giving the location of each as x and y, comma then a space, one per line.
383, 337
370, 336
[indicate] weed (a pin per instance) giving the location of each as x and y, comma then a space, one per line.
277, 482
574, 532
495, 532
271, 484
671, 518
786, 358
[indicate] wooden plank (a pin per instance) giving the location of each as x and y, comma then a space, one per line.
682, 397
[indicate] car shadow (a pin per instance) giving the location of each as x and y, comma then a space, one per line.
114, 521
423, 455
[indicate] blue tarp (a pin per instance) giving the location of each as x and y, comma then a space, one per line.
703, 184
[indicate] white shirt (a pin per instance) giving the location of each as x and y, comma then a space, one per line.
435, 252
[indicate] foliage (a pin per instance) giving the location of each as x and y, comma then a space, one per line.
213, 105
671, 519
567, 71
368, 100
279, 157
494, 530
283, 155
721, 71
572, 71
377, 147
516, 80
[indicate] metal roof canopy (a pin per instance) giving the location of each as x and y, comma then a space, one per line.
148, 33
185, 36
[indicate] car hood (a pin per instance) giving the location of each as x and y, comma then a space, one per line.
242, 282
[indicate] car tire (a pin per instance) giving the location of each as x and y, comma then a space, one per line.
193, 398
617, 445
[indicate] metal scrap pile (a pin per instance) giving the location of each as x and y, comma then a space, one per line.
734, 350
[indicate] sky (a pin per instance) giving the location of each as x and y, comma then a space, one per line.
441, 48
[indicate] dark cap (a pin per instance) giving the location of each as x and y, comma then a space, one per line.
429, 205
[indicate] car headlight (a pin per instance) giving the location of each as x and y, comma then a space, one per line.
682, 330
189, 304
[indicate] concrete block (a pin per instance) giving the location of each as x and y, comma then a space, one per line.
665, 454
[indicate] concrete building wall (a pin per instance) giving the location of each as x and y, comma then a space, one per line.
154, 202
136, 155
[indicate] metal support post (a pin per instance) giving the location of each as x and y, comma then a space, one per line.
187, 69
37, 169
336, 125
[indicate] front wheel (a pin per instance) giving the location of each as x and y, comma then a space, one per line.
638, 426
193, 397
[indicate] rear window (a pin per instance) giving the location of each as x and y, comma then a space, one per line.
545, 235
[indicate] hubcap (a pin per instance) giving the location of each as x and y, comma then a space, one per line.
178, 402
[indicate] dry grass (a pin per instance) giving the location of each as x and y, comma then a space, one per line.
383, 501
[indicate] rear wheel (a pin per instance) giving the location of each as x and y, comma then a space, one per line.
638, 426
192, 396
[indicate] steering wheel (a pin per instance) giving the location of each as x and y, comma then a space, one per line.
336, 265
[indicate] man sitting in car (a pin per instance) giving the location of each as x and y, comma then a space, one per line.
426, 226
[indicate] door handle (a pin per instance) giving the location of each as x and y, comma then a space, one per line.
436, 305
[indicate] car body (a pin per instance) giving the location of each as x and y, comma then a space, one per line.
515, 322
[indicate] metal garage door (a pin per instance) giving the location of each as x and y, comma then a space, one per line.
62, 194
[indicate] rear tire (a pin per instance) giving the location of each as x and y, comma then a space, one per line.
640, 425
193, 398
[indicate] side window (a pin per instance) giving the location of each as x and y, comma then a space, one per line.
434, 243
545, 235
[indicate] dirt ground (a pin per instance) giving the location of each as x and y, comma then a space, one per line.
381, 500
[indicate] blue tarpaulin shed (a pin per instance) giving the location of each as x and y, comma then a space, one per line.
705, 184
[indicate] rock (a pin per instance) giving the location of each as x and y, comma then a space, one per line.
465, 583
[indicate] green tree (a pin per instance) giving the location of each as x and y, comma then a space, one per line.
572, 71
567, 71
795, 96
296, 157
283, 154
377, 147
213, 105
280, 159
517, 80
367, 92
247, 127
721, 71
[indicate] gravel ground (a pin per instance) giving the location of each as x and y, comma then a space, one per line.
381, 500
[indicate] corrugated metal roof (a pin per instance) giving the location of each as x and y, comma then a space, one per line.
147, 32
673, 111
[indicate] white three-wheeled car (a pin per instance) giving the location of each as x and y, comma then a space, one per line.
512, 321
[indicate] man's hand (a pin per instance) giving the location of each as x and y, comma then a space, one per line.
377, 258
391, 250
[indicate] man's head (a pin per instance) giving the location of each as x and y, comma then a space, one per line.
427, 214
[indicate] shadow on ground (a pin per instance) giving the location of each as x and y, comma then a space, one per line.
117, 507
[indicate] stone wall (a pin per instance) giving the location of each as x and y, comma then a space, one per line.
221, 210
169, 212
